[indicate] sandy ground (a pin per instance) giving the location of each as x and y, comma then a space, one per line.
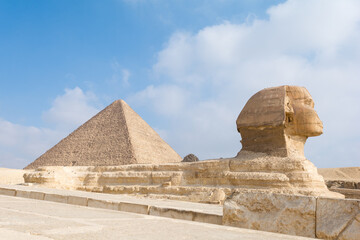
11, 176
347, 174
29, 219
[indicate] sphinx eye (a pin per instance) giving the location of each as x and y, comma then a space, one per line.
309, 102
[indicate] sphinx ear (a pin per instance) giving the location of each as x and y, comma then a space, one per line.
289, 118
289, 124
289, 113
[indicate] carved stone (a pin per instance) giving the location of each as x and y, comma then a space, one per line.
334, 218
289, 214
190, 158
278, 120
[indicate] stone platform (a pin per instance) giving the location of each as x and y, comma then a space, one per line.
31, 219
210, 181
157, 207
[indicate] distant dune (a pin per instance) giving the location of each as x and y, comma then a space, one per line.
345, 174
11, 176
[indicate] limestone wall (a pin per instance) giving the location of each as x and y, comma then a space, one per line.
343, 180
205, 181
325, 218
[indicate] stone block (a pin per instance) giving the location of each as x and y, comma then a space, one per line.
8, 192
280, 213
353, 231
172, 213
349, 193
336, 216
96, 203
207, 218
30, 194
134, 208
37, 195
23, 194
74, 200
55, 198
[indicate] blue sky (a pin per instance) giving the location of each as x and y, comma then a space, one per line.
187, 67
47, 45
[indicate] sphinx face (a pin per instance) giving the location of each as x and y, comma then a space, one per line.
301, 117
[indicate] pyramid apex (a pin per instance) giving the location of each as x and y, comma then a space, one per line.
119, 101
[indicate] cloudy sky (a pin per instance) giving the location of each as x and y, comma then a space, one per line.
186, 67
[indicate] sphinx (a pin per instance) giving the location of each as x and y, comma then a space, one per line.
278, 121
274, 125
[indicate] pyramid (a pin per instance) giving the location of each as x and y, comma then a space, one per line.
115, 136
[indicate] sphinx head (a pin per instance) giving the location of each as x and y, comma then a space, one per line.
278, 121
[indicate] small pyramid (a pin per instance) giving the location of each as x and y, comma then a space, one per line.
115, 136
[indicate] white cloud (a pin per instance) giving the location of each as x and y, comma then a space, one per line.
20, 145
120, 74
125, 76
71, 109
214, 71
168, 100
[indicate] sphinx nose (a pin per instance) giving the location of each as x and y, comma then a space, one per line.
319, 121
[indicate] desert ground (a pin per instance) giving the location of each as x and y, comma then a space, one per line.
11, 176
346, 174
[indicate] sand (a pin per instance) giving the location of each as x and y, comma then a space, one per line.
344, 174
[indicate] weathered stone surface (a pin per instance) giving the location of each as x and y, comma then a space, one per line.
75, 200
55, 198
24, 194
205, 181
278, 121
353, 231
349, 193
333, 216
96, 203
289, 214
117, 135
171, 213
134, 208
190, 158
343, 184
208, 218
8, 192
343, 180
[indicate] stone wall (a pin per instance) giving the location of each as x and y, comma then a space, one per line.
349, 188
326, 218
343, 180
208, 181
